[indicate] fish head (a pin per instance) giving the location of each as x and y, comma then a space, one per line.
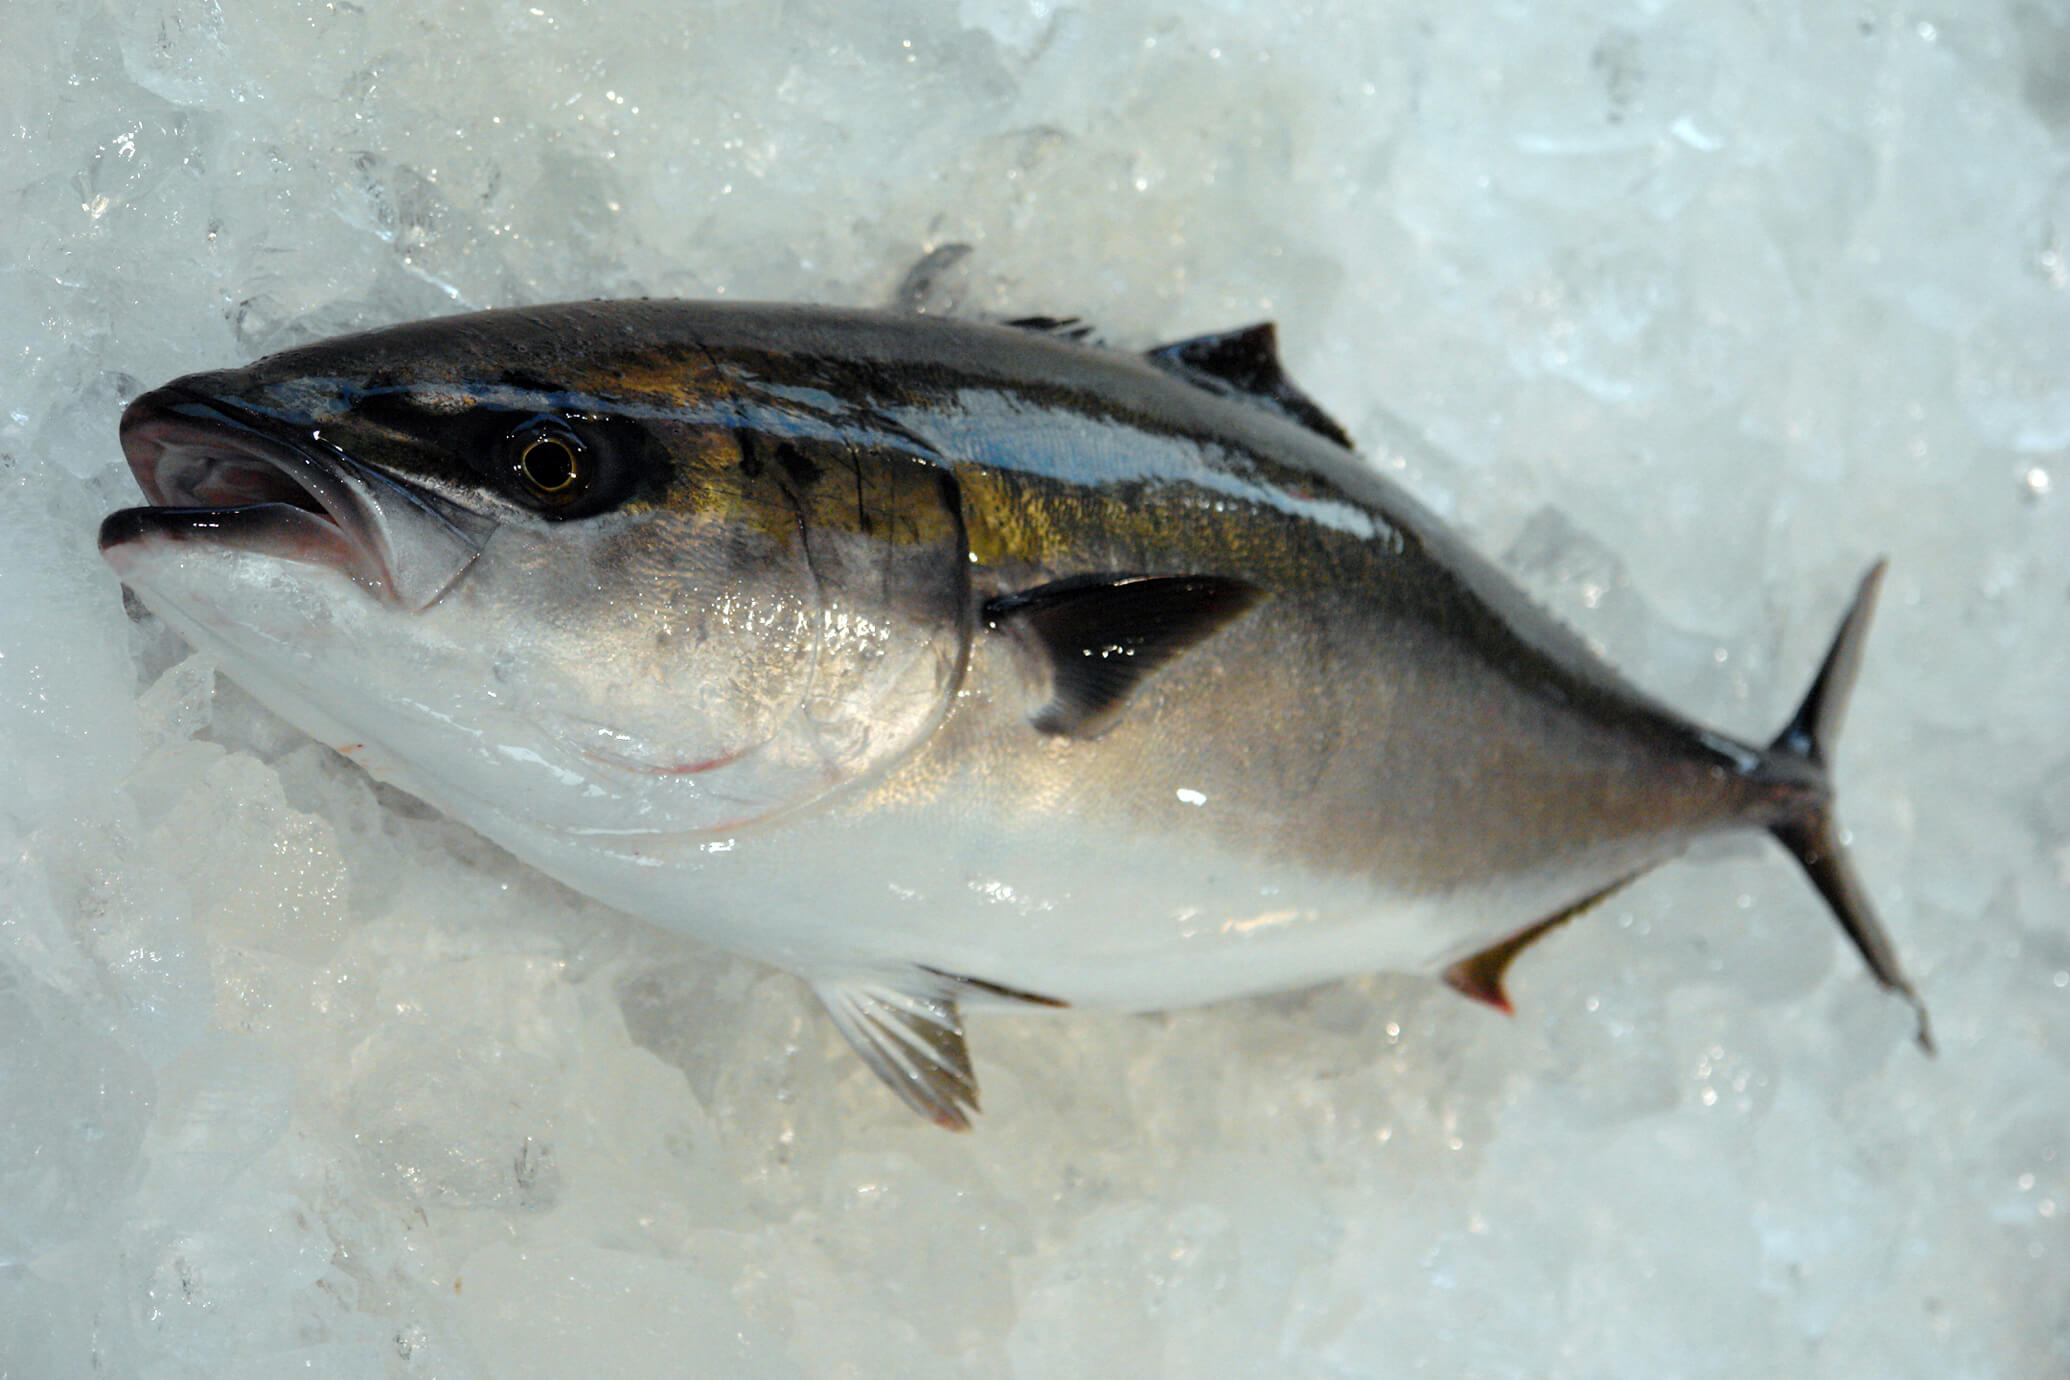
543, 578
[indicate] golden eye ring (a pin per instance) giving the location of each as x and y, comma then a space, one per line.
551, 468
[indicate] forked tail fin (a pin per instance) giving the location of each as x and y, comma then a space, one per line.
1811, 834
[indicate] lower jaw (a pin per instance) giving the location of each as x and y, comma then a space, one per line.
279, 530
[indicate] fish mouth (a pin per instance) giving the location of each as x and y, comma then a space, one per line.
224, 475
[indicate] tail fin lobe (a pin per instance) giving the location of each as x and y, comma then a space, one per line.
1817, 721
1811, 833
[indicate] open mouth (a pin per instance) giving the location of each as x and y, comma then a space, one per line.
213, 475
217, 473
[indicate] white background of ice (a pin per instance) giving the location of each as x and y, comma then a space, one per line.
1703, 305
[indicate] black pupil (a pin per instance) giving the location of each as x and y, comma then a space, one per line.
548, 464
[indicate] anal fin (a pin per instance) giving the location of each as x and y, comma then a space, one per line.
1480, 975
910, 1033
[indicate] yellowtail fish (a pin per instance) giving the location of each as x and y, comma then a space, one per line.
940, 663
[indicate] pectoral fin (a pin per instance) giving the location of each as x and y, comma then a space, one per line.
1098, 636
1480, 975
910, 1033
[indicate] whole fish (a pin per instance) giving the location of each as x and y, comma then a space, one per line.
937, 662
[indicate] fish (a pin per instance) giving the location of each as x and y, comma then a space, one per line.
943, 663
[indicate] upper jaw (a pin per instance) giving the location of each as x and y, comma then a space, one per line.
217, 472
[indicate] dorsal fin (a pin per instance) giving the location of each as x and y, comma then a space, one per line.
1096, 637
1245, 364
1064, 327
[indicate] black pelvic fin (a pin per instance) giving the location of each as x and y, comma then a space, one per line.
1480, 975
1100, 635
1245, 364
980, 987
1811, 833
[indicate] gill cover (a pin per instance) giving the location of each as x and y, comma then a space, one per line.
758, 640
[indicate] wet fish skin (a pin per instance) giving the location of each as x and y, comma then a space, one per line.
938, 662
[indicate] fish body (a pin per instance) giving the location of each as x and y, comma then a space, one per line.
936, 662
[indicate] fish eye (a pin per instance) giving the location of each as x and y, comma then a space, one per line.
549, 460
548, 465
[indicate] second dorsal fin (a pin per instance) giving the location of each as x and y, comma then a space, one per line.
1245, 364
